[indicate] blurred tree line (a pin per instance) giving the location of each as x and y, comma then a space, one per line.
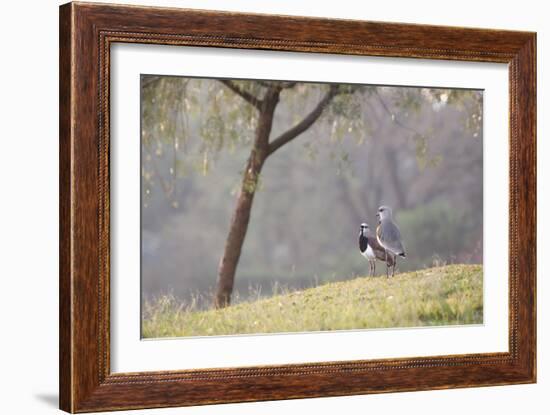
419, 150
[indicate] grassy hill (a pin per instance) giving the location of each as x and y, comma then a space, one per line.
437, 296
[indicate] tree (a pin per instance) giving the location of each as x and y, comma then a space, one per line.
262, 148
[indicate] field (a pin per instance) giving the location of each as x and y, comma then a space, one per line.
448, 295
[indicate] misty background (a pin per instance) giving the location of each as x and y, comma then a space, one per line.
418, 150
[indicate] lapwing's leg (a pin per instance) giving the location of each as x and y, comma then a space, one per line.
374, 268
370, 268
394, 264
387, 267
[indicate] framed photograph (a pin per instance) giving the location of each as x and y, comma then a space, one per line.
258, 207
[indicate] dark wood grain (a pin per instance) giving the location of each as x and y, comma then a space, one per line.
86, 33
65, 247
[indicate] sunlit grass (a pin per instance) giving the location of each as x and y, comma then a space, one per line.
447, 295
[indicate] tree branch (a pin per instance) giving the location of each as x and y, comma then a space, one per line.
393, 117
248, 97
146, 81
288, 84
303, 125
280, 84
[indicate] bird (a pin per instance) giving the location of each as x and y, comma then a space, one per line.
371, 249
389, 236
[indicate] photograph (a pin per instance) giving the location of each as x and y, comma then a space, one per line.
278, 206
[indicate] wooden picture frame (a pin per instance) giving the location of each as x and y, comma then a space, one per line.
86, 33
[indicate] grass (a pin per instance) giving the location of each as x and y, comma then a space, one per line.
446, 295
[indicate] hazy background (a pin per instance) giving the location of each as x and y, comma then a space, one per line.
417, 150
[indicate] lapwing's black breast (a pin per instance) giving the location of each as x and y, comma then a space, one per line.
363, 243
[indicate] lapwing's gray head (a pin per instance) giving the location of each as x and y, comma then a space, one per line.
384, 212
364, 228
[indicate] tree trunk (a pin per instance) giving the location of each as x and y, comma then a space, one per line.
241, 215
237, 232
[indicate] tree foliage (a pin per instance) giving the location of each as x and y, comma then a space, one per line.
227, 122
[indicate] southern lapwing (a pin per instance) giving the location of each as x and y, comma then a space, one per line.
388, 235
371, 249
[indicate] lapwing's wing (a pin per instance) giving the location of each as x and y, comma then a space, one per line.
378, 249
363, 243
389, 235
